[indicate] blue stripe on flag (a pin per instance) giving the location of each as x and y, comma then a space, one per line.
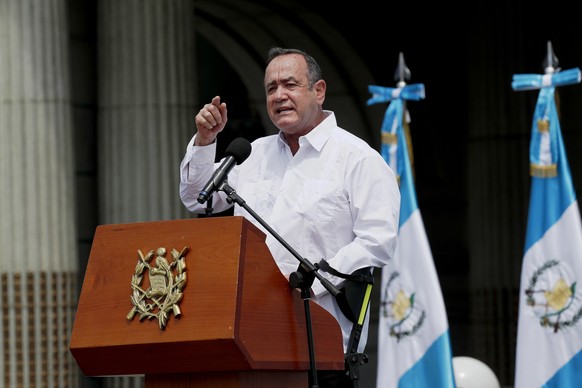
568, 375
400, 162
407, 191
435, 361
549, 197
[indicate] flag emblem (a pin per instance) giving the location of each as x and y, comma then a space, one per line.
403, 314
551, 295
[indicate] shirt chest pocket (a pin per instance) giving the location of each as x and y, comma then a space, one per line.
260, 196
320, 200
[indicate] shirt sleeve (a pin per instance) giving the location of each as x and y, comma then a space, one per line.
375, 208
196, 169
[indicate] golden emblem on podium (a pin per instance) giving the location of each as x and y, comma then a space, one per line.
166, 281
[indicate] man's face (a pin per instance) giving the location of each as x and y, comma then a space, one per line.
292, 106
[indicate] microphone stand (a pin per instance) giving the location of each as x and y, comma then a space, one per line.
208, 210
302, 278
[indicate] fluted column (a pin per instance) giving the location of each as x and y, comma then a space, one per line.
37, 222
146, 101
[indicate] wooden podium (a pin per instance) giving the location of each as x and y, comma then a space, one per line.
239, 323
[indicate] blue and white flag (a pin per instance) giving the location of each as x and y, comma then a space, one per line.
413, 334
549, 332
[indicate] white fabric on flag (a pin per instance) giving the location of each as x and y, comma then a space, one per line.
413, 337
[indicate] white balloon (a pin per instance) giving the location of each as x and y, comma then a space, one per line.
472, 373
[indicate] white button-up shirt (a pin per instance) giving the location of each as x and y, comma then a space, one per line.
335, 199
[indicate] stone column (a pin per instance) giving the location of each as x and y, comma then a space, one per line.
146, 112
38, 268
146, 106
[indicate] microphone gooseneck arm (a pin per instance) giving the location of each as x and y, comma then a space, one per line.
306, 264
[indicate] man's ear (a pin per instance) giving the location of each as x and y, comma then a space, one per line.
320, 87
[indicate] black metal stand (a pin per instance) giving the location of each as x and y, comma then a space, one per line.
354, 302
302, 278
209, 209
353, 359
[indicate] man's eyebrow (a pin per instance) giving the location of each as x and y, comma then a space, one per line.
284, 80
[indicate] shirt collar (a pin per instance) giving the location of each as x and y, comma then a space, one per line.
318, 136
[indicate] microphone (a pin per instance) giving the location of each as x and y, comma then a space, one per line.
236, 153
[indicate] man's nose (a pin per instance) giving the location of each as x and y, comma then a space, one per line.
280, 93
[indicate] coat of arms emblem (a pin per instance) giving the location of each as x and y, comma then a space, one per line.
551, 294
166, 282
400, 307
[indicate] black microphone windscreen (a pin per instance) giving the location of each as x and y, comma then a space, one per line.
239, 149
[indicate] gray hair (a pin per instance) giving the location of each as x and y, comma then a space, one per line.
313, 69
